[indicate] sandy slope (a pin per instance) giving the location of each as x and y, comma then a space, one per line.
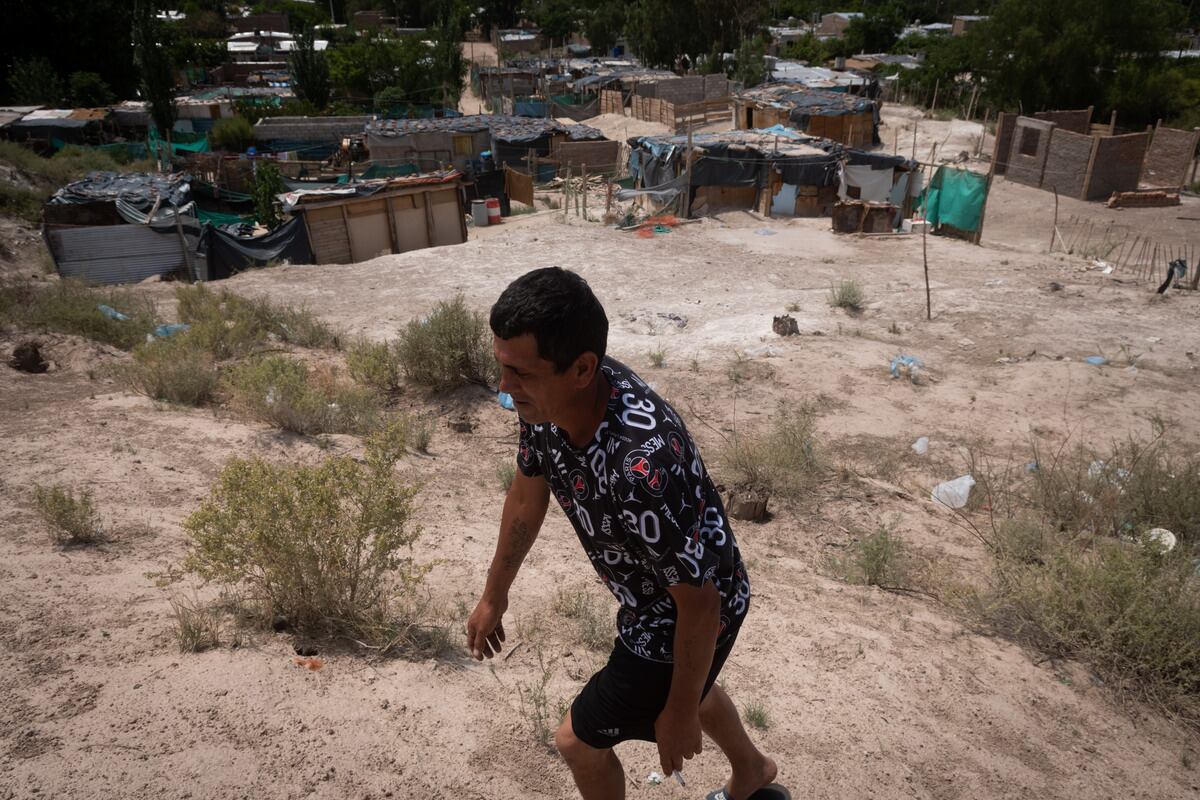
869, 694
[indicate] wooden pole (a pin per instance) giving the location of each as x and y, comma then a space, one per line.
925, 259
914, 152
583, 169
987, 190
567, 193
608, 198
971, 102
687, 197
936, 86
1054, 227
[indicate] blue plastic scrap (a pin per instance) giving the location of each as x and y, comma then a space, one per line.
906, 363
505, 400
163, 331
1096, 361
112, 313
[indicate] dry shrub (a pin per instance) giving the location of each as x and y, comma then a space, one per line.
848, 294
328, 546
230, 326
72, 517
593, 627
880, 559
782, 461
172, 370
73, 308
374, 364
197, 627
449, 348
283, 392
1074, 574
506, 473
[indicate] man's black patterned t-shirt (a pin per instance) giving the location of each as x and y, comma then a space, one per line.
644, 509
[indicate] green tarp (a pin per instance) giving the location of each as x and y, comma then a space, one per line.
178, 147
217, 218
380, 171
955, 197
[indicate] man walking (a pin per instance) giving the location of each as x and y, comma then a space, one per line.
625, 471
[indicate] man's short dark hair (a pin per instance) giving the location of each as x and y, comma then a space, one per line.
558, 308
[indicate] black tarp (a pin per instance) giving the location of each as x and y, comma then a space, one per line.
139, 189
228, 254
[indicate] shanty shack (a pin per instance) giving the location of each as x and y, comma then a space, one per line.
314, 137
461, 142
850, 119
367, 219
115, 227
776, 171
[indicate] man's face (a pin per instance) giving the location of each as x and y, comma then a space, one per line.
540, 393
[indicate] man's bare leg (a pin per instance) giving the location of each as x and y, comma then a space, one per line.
751, 769
598, 773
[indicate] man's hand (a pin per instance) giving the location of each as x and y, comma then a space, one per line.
485, 631
679, 737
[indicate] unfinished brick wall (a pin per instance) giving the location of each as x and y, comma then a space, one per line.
1118, 165
715, 87
1067, 163
597, 156
1170, 154
1004, 131
1077, 121
1029, 149
682, 90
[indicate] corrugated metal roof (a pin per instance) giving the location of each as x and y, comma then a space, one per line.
105, 254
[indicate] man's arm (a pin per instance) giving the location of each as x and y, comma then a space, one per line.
524, 509
697, 623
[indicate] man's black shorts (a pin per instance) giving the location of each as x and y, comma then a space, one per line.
623, 700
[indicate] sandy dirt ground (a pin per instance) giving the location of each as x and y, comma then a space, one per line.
869, 694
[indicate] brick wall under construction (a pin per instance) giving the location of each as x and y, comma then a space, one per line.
1118, 165
1027, 155
1078, 121
1170, 154
1067, 160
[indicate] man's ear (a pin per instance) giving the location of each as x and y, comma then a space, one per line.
584, 368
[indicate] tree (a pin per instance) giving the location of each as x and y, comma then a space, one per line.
1064, 54
603, 25
876, 30
88, 90
556, 18
749, 68
268, 185
233, 133
310, 70
33, 81
157, 73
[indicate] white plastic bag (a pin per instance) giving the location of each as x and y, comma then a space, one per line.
954, 494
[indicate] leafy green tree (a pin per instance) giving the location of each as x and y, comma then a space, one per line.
808, 48
268, 185
603, 25
310, 70
749, 68
558, 19
234, 133
1038, 55
157, 73
876, 30
88, 90
33, 81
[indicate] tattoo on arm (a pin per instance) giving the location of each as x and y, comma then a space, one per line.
521, 540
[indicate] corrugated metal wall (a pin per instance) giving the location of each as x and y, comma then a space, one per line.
104, 254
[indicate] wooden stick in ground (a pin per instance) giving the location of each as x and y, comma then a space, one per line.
914, 150
1195, 269
567, 193
608, 197
1054, 227
925, 259
583, 170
